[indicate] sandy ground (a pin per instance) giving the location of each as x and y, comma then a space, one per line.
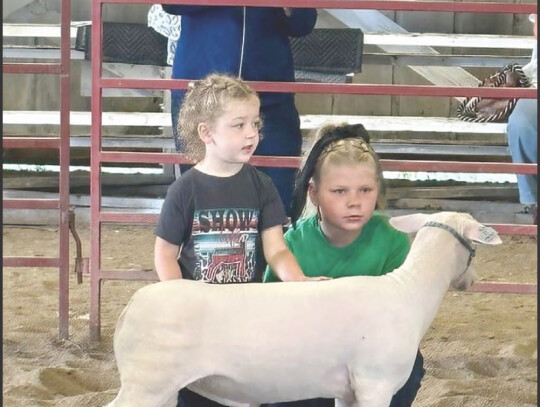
481, 350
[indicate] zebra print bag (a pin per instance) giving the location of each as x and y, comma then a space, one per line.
478, 109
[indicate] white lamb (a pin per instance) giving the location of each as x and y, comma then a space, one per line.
353, 339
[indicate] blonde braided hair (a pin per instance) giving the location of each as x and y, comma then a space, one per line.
338, 143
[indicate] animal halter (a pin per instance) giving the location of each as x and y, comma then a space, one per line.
453, 232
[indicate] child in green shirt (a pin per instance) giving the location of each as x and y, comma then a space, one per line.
346, 236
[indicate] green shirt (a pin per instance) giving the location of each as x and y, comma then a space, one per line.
378, 250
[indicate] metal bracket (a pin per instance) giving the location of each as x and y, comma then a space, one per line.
81, 264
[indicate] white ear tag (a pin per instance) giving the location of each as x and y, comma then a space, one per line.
488, 235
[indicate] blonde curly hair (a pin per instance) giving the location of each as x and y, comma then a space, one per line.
205, 101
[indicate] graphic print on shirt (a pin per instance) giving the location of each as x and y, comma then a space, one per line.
224, 242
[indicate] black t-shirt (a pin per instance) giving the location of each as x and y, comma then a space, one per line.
218, 221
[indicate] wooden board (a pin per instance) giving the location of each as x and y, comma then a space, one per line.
76, 181
308, 122
450, 40
458, 205
486, 192
370, 37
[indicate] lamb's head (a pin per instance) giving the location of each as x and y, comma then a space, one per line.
462, 226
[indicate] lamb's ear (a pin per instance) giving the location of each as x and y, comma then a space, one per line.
409, 223
481, 234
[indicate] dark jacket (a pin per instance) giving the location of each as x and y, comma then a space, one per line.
211, 40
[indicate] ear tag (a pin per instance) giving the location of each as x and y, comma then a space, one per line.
487, 234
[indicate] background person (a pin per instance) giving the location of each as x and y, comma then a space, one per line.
253, 44
522, 132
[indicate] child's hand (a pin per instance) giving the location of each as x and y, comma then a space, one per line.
319, 278
306, 278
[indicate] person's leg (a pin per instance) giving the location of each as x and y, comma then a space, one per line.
188, 398
318, 402
406, 395
281, 137
176, 102
522, 134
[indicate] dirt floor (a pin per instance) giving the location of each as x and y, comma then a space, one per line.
481, 350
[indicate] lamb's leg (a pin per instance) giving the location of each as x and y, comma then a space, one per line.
151, 370
139, 397
152, 390
373, 394
345, 403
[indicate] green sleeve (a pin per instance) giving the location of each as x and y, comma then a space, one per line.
399, 252
270, 276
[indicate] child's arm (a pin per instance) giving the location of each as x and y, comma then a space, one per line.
165, 260
279, 258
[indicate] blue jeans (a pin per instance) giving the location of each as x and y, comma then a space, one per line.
187, 398
522, 134
403, 398
281, 136
176, 101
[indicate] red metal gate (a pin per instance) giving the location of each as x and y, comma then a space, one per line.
97, 274
60, 143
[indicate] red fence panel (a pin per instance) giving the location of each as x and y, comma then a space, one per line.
97, 274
